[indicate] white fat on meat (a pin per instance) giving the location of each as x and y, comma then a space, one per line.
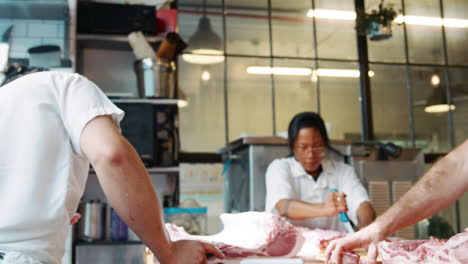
453, 251
249, 234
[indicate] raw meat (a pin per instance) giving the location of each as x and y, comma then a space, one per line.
317, 240
432, 251
250, 234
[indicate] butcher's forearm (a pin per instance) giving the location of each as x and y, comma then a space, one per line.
365, 214
299, 210
437, 189
139, 205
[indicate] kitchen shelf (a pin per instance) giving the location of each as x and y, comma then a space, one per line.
105, 41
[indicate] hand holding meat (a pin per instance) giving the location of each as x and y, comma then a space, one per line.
191, 252
335, 203
368, 238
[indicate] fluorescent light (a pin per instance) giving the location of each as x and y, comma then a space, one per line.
410, 20
305, 72
421, 20
204, 56
441, 108
332, 14
434, 21
454, 22
338, 73
279, 70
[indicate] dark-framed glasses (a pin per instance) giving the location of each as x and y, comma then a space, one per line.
319, 150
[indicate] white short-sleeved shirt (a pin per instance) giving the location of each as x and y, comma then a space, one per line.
287, 179
42, 169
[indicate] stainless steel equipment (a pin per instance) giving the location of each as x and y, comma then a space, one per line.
92, 225
155, 78
246, 160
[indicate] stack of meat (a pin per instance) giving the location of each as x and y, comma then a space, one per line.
453, 251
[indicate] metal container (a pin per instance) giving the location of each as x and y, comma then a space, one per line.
92, 224
154, 78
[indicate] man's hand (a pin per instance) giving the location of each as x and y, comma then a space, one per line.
368, 238
335, 203
75, 218
191, 252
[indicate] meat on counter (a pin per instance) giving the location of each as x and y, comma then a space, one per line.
452, 251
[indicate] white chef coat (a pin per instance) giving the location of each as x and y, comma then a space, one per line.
42, 169
287, 179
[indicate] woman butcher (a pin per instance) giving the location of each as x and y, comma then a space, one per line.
299, 187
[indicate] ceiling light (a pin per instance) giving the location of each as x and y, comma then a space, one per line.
204, 56
305, 72
332, 14
338, 73
435, 80
205, 45
279, 70
437, 102
410, 20
442, 108
205, 76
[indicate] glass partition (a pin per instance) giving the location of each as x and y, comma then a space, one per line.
390, 104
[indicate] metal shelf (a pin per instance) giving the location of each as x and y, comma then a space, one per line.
117, 38
105, 41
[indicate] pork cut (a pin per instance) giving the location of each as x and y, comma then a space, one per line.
432, 251
317, 240
249, 234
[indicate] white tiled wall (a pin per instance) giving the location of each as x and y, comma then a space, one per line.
30, 33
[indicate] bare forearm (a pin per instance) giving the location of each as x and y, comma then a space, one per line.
437, 189
299, 210
139, 205
365, 214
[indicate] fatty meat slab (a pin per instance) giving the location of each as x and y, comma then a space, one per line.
432, 251
249, 234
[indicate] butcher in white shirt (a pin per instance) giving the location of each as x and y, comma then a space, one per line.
299, 187
53, 126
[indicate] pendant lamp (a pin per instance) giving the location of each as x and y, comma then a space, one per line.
437, 102
205, 45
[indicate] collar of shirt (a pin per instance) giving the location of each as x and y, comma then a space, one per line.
297, 170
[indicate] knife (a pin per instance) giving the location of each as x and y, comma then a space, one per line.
344, 218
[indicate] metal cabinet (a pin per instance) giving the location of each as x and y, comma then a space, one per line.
246, 161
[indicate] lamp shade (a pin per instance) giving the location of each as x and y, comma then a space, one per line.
205, 45
437, 102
